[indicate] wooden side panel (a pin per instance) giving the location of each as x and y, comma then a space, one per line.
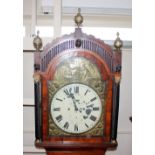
108, 111
44, 107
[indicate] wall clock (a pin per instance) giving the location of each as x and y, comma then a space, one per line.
76, 81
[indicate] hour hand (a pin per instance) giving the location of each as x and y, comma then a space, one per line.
91, 105
76, 108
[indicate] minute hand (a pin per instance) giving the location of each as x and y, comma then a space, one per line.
74, 101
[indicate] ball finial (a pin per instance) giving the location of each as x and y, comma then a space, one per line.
78, 18
117, 34
37, 42
79, 10
38, 33
118, 42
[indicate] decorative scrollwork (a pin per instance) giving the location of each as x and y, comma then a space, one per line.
77, 69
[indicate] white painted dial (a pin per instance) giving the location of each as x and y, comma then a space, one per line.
76, 108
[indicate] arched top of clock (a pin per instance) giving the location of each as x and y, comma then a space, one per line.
88, 55
77, 41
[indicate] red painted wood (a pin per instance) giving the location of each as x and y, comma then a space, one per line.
57, 148
90, 152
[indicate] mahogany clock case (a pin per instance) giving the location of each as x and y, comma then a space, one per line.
77, 58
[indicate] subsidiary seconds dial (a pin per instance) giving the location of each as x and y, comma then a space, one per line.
76, 108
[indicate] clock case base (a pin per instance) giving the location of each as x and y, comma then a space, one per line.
90, 152
76, 149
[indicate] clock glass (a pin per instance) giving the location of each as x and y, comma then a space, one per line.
76, 108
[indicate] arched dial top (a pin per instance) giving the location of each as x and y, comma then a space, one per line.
76, 108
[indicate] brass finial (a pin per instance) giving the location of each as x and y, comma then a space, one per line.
114, 142
36, 77
78, 18
118, 42
37, 42
37, 141
117, 78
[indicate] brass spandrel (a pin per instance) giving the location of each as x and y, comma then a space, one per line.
76, 69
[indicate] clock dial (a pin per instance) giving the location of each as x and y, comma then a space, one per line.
76, 108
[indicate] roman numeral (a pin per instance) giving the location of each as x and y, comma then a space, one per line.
86, 125
93, 99
66, 125
70, 90
66, 92
59, 118
86, 92
96, 108
59, 99
56, 109
93, 118
75, 127
76, 89
90, 105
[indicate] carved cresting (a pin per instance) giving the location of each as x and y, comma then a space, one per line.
68, 42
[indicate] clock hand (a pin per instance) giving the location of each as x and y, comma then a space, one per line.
74, 101
88, 111
91, 105
85, 117
76, 108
